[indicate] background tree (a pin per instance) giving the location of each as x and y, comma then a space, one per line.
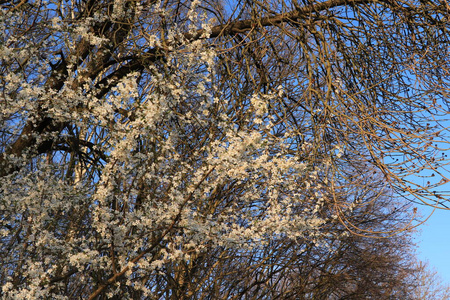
428, 283
158, 148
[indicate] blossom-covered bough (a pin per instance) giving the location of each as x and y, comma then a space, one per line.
194, 150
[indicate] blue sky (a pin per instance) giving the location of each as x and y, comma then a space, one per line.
433, 240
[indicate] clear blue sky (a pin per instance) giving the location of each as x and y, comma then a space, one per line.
433, 240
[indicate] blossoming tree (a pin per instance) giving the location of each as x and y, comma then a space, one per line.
161, 148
